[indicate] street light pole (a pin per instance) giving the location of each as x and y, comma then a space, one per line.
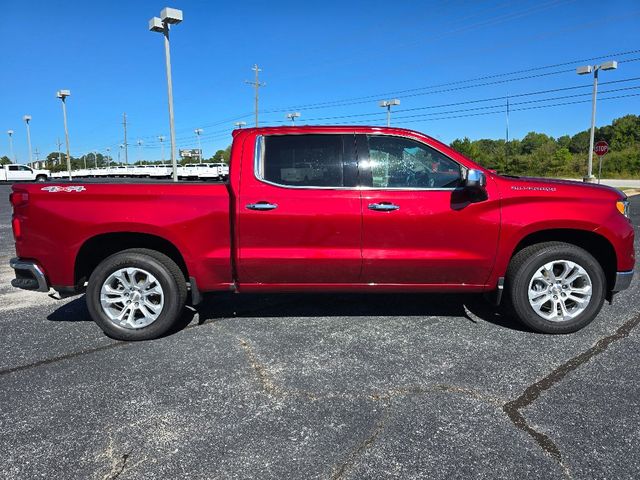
62, 95
27, 119
13, 157
240, 124
139, 151
610, 65
108, 157
198, 131
161, 138
292, 116
59, 154
168, 16
388, 104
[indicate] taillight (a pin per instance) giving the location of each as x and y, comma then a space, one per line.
17, 228
18, 198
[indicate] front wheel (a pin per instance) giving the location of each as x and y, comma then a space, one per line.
136, 294
555, 287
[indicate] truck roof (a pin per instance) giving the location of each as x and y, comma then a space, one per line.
302, 129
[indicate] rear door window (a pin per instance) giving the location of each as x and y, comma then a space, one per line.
303, 160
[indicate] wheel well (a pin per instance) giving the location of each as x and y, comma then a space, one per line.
595, 244
97, 248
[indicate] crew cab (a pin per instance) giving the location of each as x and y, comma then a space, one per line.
385, 210
17, 173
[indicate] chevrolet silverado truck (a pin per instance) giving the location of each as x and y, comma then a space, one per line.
378, 210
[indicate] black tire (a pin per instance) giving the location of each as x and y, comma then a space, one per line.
41, 178
521, 269
168, 275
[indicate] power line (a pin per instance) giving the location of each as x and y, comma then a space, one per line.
511, 96
460, 82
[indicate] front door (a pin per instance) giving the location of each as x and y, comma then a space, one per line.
418, 226
299, 213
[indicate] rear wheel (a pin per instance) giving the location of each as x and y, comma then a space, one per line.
136, 294
555, 287
41, 178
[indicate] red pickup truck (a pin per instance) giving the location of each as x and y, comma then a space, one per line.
320, 209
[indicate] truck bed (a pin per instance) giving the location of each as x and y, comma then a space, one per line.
63, 221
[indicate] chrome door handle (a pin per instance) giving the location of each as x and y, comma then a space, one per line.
383, 206
261, 206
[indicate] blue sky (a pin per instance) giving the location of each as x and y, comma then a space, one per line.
310, 53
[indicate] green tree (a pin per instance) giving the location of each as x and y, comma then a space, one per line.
4, 160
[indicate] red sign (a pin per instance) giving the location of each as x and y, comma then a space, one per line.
601, 148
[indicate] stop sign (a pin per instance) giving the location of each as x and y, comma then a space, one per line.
601, 148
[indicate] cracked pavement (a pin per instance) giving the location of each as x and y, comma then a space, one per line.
317, 386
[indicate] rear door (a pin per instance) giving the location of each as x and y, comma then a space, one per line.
298, 211
418, 226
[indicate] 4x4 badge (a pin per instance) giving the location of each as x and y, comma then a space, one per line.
78, 188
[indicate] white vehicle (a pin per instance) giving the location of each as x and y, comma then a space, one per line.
302, 172
16, 173
206, 171
223, 170
161, 171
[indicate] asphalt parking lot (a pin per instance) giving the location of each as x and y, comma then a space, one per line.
316, 386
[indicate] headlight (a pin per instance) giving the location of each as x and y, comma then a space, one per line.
623, 207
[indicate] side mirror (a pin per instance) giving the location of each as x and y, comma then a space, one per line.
476, 180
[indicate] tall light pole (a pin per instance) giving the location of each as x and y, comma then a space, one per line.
161, 138
62, 95
256, 84
168, 16
292, 116
388, 104
108, 157
119, 151
584, 70
198, 131
139, 142
13, 157
27, 119
59, 154
240, 124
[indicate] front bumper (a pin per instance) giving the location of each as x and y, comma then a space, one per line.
29, 275
623, 280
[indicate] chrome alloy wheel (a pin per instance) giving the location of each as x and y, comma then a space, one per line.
132, 298
560, 290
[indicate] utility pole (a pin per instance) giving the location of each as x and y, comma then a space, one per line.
126, 147
95, 158
59, 152
37, 154
10, 133
108, 157
27, 119
256, 84
139, 151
